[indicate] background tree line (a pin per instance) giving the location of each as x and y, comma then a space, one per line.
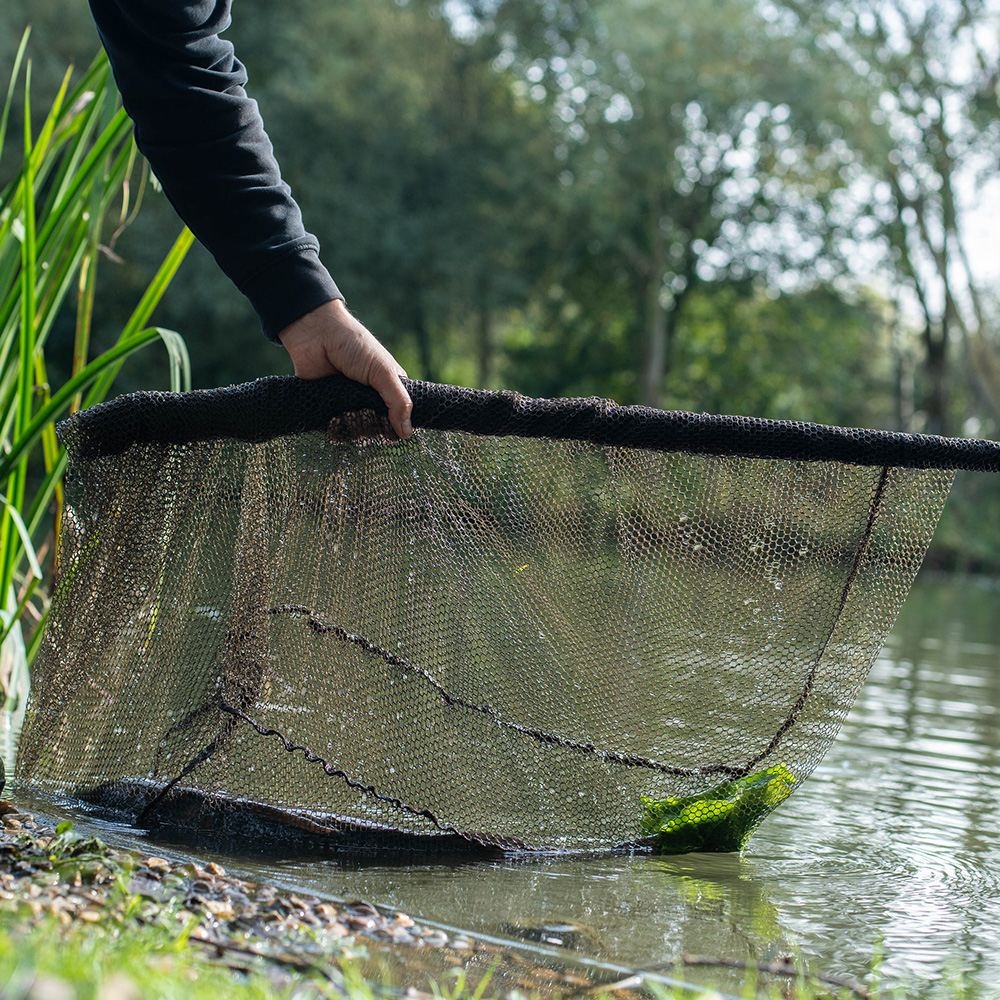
740, 206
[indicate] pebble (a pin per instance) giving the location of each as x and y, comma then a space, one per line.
46, 987
85, 888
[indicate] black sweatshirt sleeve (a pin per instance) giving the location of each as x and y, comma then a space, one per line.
182, 85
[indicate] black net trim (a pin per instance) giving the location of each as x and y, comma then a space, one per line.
280, 405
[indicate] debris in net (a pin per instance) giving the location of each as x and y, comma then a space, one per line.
720, 819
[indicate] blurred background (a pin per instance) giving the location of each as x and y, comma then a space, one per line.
784, 210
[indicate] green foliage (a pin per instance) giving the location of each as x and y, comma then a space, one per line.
721, 818
87, 960
716, 207
74, 179
808, 355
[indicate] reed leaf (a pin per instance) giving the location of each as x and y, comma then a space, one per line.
73, 182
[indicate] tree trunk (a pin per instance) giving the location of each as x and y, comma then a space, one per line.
484, 345
423, 342
654, 362
936, 367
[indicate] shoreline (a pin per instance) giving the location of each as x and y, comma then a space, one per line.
57, 877
57, 885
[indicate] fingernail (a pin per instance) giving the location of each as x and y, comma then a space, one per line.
407, 428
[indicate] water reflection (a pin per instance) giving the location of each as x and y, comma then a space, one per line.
894, 843
898, 829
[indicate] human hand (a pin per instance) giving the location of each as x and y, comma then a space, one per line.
330, 341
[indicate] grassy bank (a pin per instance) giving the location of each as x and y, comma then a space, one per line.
79, 919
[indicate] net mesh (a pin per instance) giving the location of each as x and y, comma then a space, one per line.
536, 625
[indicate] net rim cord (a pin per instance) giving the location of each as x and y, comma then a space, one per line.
278, 405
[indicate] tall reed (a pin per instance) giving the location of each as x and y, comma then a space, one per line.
77, 184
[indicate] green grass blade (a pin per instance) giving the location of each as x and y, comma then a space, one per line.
74, 180
32, 647
146, 305
22, 531
151, 297
60, 400
14, 74
15, 618
45, 492
180, 361
26, 348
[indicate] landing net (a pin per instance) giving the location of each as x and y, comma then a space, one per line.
539, 624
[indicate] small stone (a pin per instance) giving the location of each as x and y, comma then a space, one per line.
462, 944
14, 824
157, 864
404, 920
143, 886
630, 983
326, 910
90, 916
360, 906
360, 922
215, 869
47, 987
221, 908
337, 931
118, 986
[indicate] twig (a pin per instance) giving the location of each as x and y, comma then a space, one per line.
288, 960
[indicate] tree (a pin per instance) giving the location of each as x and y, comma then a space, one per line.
429, 182
698, 145
929, 131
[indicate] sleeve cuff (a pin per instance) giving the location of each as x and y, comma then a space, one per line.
293, 285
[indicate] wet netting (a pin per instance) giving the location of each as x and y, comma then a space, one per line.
538, 624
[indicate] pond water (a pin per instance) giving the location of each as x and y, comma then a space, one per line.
892, 847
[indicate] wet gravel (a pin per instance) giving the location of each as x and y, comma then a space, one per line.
57, 872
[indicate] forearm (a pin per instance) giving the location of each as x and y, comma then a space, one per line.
183, 87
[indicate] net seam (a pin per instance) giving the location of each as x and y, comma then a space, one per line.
540, 735
807, 689
334, 772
